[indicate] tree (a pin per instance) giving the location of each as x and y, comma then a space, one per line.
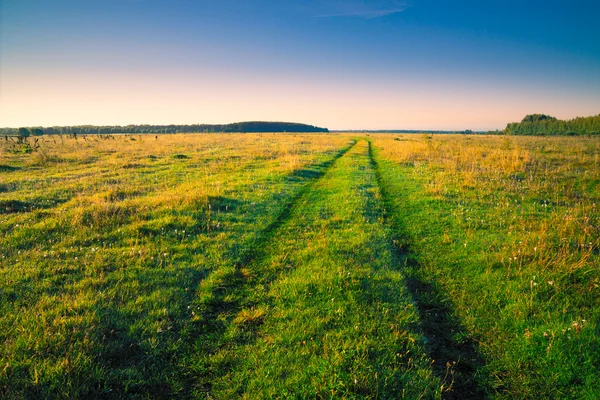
24, 132
540, 124
538, 117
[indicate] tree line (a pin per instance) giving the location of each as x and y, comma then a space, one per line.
238, 127
541, 124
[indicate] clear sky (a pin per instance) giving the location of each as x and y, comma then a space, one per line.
351, 64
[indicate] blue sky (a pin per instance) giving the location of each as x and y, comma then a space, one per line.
383, 64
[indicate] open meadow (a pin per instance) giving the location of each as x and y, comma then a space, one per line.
300, 266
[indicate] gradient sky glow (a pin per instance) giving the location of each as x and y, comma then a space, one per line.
352, 64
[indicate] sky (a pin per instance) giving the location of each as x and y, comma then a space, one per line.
352, 64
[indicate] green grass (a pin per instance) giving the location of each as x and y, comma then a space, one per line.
300, 266
322, 311
507, 231
97, 287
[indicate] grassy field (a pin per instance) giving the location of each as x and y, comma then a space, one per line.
300, 266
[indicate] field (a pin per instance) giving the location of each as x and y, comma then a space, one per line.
300, 266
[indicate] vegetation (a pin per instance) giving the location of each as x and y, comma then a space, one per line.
102, 256
302, 266
238, 127
540, 124
505, 232
23, 132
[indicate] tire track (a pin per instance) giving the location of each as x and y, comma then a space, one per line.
221, 294
338, 321
455, 363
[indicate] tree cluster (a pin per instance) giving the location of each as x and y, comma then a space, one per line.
540, 124
238, 127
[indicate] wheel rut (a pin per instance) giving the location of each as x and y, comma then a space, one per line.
233, 292
221, 302
455, 362
326, 313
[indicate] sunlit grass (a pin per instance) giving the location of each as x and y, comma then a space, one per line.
101, 263
510, 228
323, 311
260, 266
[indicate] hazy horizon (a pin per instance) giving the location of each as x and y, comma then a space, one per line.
372, 65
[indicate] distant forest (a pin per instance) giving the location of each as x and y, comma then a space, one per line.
533, 124
540, 124
238, 127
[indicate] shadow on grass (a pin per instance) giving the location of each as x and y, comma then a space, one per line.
14, 206
8, 168
223, 204
306, 174
456, 360
5, 188
19, 206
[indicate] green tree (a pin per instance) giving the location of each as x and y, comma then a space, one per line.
24, 132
